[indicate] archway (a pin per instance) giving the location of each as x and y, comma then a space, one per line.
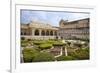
36, 32
47, 33
51, 33
55, 33
43, 33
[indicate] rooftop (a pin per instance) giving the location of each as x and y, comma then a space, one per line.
34, 24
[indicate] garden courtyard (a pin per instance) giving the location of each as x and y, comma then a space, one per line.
53, 50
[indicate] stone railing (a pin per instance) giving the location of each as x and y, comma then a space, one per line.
39, 37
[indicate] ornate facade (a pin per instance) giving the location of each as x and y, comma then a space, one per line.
66, 30
36, 30
74, 29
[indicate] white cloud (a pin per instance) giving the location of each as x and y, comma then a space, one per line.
50, 17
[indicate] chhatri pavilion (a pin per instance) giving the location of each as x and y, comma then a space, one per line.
37, 30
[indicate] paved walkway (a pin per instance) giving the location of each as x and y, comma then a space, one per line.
63, 52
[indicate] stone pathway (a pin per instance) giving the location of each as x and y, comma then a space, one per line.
66, 54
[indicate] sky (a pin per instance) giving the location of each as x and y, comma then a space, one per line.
50, 17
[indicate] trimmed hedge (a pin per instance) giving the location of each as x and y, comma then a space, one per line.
32, 55
41, 57
65, 58
81, 54
45, 46
59, 44
24, 43
51, 41
38, 42
29, 54
78, 45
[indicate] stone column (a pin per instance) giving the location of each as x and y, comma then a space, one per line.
57, 33
61, 51
45, 32
33, 32
49, 32
53, 33
40, 32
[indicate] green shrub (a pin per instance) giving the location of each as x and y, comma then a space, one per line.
29, 39
23, 45
81, 54
24, 41
38, 42
65, 58
45, 46
22, 38
68, 43
59, 44
78, 45
51, 41
29, 54
43, 57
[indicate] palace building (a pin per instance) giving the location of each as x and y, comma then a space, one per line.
74, 29
37, 30
66, 30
